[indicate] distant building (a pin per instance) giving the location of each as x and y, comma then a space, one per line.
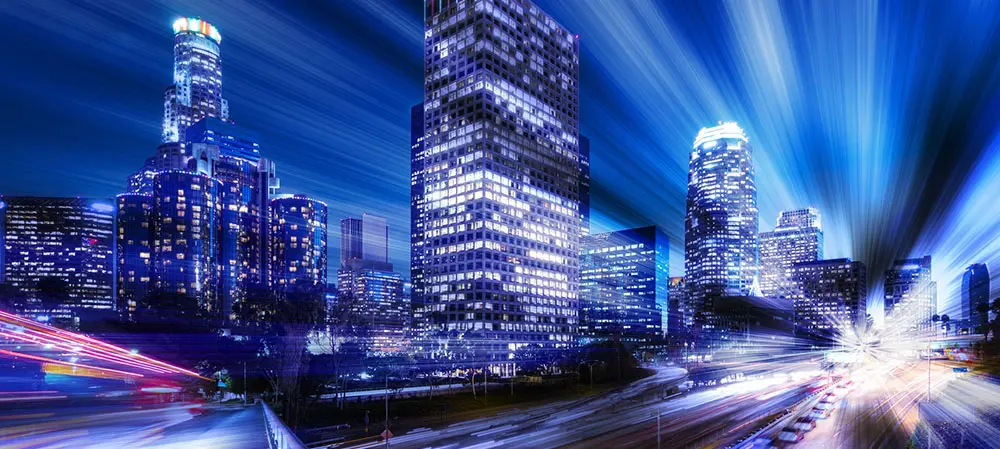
798, 237
374, 307
677, 295
720, 238
975, 293
910, 294
66, 238
366, 240
133, 253
298, 244
419, 312
829, 296
623, 286
186, 234
377, 311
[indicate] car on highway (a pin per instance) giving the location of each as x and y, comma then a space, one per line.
804, 424
824, 406
790, 435
818, 413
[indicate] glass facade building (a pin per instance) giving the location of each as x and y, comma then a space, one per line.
720, 238
624, 286
496, 179
829, 296
677, 295
186, 235
298, 244
67, 238
910, 294
975, 292
133, 250
365, 238
798, 237
584, 186
196, 91
376, 310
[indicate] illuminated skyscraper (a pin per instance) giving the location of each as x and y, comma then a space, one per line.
186, 238
133, 253
975, 292
720, 238
798, 237
910, 294
67, 238
498, 206
829, 296
298, 244
196, 91
623, 285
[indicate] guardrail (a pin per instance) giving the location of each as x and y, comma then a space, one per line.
279, 436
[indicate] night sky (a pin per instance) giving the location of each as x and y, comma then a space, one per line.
884, 115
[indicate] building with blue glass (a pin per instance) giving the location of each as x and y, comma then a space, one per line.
720, 232
624, 286
133, 250
797, 238
186, 238
910, 295
71, 239
298, 244
495, 186
975, 293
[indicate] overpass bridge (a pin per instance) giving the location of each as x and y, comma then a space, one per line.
65, 389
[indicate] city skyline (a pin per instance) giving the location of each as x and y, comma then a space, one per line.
852, 229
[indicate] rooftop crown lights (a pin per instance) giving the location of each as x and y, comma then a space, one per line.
197, 26
725, 130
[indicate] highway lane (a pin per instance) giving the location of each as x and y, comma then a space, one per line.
626, 418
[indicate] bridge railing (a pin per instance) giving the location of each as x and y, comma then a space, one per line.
279, 436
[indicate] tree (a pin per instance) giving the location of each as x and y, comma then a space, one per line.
283, 348
53, 292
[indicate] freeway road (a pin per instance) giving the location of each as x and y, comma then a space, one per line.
626, 418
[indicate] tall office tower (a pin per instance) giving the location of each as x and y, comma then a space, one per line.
830, 296
197, 88
500, 168
720, 237
364, 239
133, 250
584, 186
66, 238
677, 294
975, 292
186, 234
231, 154
298, 244
910, 294
195, 93
798, 237
623, 285
419, 315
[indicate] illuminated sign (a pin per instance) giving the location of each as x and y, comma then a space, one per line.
197, 26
